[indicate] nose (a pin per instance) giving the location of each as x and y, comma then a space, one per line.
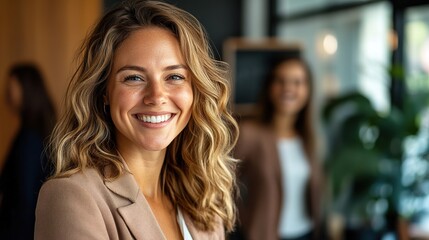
286, 86
292, 85
154, 94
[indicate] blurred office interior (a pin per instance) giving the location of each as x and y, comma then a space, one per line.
370, 61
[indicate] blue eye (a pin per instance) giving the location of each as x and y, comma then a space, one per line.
133, 78
176, 77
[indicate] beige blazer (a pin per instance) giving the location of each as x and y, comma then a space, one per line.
85, 206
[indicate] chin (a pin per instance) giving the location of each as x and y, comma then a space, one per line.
289, 112
155, 146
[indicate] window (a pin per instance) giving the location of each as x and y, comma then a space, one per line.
417, 49
348, 50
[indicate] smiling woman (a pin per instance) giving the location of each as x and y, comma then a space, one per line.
280, 170
143, 148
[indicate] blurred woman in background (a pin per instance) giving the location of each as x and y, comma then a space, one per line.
25, 169
280, 170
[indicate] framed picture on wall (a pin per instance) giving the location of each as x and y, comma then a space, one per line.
250, 62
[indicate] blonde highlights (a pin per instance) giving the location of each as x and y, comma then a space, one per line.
198, 172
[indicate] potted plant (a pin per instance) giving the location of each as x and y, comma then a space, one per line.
364, 162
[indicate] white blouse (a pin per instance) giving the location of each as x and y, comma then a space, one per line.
183, 228
294, 219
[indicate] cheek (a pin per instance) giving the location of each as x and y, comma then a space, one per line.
125, 99
184, 100
304, 94
121, 101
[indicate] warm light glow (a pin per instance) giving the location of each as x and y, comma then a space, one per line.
393, 40
330, 44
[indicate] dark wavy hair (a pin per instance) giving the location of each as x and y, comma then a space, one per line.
37, 111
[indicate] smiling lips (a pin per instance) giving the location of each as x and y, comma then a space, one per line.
154, 119
288, 97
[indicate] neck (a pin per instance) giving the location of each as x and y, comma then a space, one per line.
146, 168
284, 125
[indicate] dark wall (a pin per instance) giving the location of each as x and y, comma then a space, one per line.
221, 18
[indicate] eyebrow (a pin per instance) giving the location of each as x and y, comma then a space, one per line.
142, 69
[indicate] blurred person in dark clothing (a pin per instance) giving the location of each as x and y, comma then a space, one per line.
25, 168
280, 172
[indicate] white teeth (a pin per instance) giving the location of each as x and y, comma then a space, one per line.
154, 119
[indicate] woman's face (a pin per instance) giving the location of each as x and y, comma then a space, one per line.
289, 91
149, 90
14, 95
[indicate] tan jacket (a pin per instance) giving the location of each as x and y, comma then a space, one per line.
85, 206
261, 187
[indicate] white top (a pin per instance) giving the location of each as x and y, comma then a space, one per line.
294, 219
183, 228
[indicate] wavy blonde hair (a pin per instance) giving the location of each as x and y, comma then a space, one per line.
198, 173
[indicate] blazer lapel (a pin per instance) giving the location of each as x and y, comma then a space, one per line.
137, 215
